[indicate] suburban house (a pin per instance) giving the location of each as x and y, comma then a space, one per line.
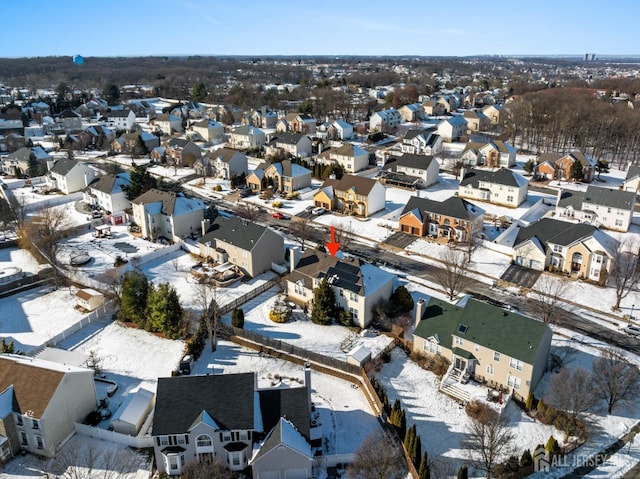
494, 154
476, 121
501, 187
70, 176
109, 192
222, 163
263, 118
293, 144
121, 119
554, 166
421, 142
452, 128
495, 114
129, 143
96, 136
42, 400
181, 152
167, 123
410, 171
26, 161
433, 108
499, 348
607, 208
453, 219
632, 179
167, 215
250, 246
350, 158
247, 137
231, 419
340, 130
450, 102
208, 130
300, 123
69, 120
357, 285
577, 249
351, 195
411, 112
285, 176
385, 121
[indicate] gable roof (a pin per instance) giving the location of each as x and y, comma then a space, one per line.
224, 154
508, 333
111, 183
235, 231
64, 166
289, 168
360, 184
284, 433
610, 197
34, 381
633, 172
288, 138
246, 130
227, 398
502, 176
409, 160
292, 403
453, 206
552, 231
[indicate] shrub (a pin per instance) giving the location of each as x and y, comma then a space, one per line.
477, 410
217, 188
277, 204
345, 317
401, 300
526, 460
281, 316
237, 318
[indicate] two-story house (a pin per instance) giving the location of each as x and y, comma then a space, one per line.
357, 285
452, 128
247, 137
555, 166
494, 154
577, 249
167, 124
290, 144
350, 158
476, 121
222, 163
208, 130
411, 112
123, 119
70, 176
385, 121
109, 192
495, 114
181, 152
453, 219
351, 195
229, 418
284, 176
262, 118
42, 400
26, 161
632, 179
607, 208
421, 142
340, 130
501, 187
502, 349
69, 120
410, 171
167, 215
248, 245
300, 123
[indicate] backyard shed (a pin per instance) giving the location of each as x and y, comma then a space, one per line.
359, 355
133, 412
89, 299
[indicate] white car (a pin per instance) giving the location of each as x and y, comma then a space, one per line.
318, 211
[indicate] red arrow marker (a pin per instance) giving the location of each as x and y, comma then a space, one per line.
332, 246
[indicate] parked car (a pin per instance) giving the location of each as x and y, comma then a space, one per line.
279, 216
633, 331
318, 211
309, 208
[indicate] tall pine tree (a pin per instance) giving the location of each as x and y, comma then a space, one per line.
324, 303
133, 301
423, 471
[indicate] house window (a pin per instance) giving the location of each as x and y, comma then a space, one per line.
35, 424
341, 292
618, 222
226, 436
164, 441
459, 341
490, 369
353, 296
244, 435
496, 356
24, 439
180, 440
40, 442
510, 199
204, 440
515, 364
432, 348
19, 420
557, 248
513, 382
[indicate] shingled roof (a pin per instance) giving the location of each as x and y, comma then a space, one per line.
360, 184
615, 198
234, 231
549, 230
503, 176
454, 207
409, 160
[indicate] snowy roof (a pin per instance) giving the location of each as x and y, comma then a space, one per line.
284, 433
134, 406
360, 353
62, 356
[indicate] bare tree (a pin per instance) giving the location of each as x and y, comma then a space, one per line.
472, 241
205, 292
343, 234
625, 271
207, 470
248, 211
547, 295
378, 457
488, 440
615, 379
571, 390
452, 276
301, 230
113, 283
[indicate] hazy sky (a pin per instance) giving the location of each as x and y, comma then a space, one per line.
320, 27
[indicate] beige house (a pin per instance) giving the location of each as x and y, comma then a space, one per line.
166, 215
501, 187
476, 121
248, 245
247, 137
351, 195
290, 144
350, 158
284, 176
607, 208
632, 179
208, 130
357, 285
43, 400
504, 350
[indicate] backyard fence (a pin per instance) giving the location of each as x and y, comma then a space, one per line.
138, 442
247, 296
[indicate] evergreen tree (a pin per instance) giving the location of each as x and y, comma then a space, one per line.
526, 460
133, 302
463, 472
402, 300
424, 471
139, 148
528, 405
552, 447
141, 182
32, 166
8, 348
111, 93
529, 166
409, 440
602, 167
416, 450
576, 172
540, 407
198, 92
164, 312
237, 318
324, 303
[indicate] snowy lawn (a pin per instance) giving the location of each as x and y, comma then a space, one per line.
19, 258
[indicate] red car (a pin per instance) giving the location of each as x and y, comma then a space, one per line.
279, 216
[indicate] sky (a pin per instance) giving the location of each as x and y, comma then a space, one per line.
330, 27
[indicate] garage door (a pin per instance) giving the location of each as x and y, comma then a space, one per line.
269, 475
295, 474
536, 265
406, 228
520, 261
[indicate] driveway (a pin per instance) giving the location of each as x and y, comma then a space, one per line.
400, 240
521, 276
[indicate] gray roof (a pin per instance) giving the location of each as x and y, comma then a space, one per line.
610, 197
106, 183
64, 166
292, 403
227, 398
633, 172
235, 231
453, 206
345, 272
118, 114
288, 138
408, 160
548, 230
503, 176
168, 199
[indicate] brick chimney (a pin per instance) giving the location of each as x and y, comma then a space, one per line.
420, 306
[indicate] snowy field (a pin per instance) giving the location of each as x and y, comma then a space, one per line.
18, 258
